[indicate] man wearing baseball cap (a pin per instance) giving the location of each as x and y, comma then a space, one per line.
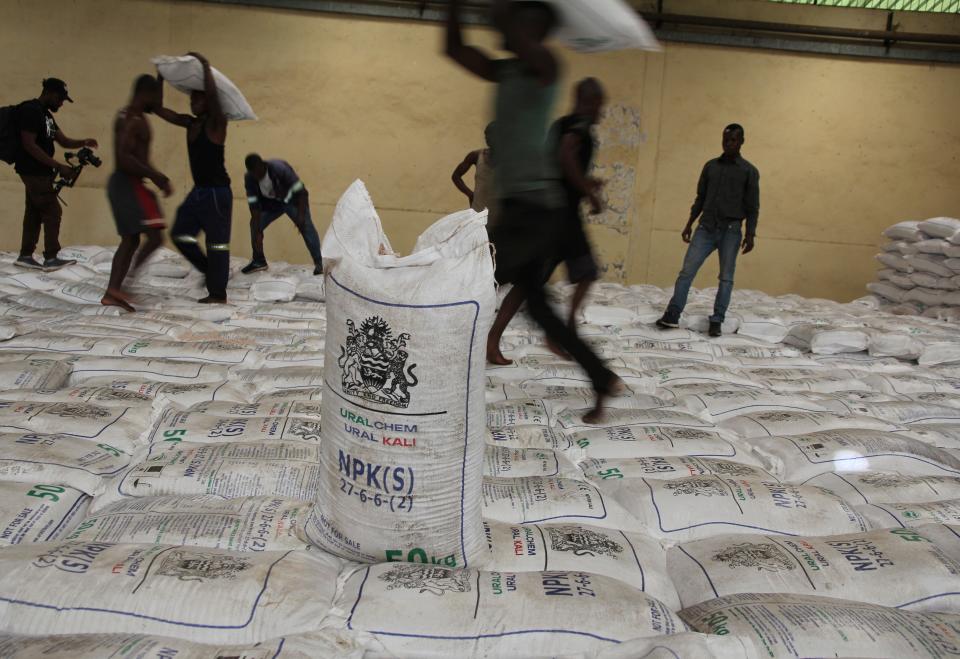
37, 167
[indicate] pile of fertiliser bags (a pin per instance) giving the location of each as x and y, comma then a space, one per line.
166, 488
920, 269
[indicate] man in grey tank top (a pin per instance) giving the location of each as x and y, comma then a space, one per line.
530, 198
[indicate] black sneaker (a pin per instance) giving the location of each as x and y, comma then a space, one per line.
28, 262
318, 270
254, 266
56, 263
668, 323
716, 329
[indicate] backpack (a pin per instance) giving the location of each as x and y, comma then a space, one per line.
9, 135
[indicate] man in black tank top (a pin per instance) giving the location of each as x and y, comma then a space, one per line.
208, 207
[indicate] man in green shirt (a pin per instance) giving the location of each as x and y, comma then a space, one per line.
728, 192
531, 200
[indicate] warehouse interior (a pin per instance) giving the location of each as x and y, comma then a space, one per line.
329, 460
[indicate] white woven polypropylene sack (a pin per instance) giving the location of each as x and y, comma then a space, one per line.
777, 423
536, 437
35, 373
940, 227
504, 462
241, 469
275, 288
861, 487
114, 425
908, 515
923, 563
267, 523
186, 75
435, 611
798, 458
787, 626
623, 442
59, 460
602, 25
632, 558
209, 595
202, 428
403, 448
665, 468
908, 231
537, 499
32, 512
702, 506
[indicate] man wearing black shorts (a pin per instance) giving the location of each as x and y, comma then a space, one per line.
135, 208
575, 156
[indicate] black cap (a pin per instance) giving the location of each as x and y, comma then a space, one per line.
57, 85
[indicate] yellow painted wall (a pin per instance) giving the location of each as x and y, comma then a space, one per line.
845, 147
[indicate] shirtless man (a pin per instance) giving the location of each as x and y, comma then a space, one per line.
482, 195
135, 208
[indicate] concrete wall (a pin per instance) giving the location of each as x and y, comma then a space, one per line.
845, 147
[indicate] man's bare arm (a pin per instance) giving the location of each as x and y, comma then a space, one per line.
469, 161
168, 115
472, 59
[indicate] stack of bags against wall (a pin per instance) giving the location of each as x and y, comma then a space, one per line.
921, 269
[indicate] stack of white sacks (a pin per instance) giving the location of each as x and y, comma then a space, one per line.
789, 490
920, 272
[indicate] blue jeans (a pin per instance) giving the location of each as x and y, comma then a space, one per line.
269, 213
724, 237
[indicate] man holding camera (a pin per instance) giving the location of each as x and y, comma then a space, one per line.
37, 168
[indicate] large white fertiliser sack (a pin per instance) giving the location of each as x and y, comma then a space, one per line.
940, 227
113, 425
98, 395
209, 595
275, 288
227, 353
435, 611
327, 643
405, 372
798, 458
553, 501
186, 75
266, 523
59, 460
174, 393
675, 646
529, 437
943, 435
503, 462
574, 396
908, 412
908, 231
292, 407
625, 442
177, 425
301, 395
242, 469
786, 422
602, 25
907, 515
826, 340
32, 512
702, 506
699, 374
628, 557
87, 370
859, 487
719, 405
666, 468
939, 353
782, 626
924, 564
283, 377
907, 383
571, 420
35, 373
65, 343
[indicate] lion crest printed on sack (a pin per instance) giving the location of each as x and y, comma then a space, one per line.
698, 487
306, 430
427, 579
189, 565
885, 480
731, 469
582, 542
766, 557
78, 411
309, 409
689, 433
120, 394
374, 364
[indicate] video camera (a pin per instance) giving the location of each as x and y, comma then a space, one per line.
84, 157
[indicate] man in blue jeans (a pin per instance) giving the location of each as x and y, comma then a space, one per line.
727, 194
274, 189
